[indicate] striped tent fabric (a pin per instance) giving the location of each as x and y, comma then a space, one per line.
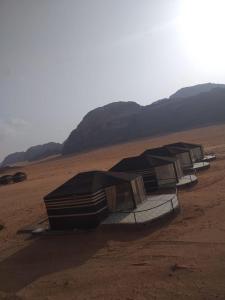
81, 202
77, 211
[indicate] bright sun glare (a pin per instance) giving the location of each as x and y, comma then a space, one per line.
202, 25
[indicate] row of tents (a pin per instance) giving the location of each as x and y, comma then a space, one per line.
17, 177
88, 198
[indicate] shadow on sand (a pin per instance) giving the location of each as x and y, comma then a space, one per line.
50, 254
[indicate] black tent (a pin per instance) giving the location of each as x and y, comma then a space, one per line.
165, 153
196, 150
183, 154
157, 172
87, 198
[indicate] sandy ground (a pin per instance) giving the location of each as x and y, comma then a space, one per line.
183, 259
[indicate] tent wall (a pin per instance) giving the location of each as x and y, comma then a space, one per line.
138, 190
166, 175
141, 188
178, 169
185, 160
70, 222
124, 197
111, 198
149, 179
77, 211
197, 153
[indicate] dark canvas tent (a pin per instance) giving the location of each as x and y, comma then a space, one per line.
163, 152
196, 150
157, 172
87, 198
183, 154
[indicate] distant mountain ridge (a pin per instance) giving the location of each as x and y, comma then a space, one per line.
118, 122
196, 90
34, 153
13, 158
205, 106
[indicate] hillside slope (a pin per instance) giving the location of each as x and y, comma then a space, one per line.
119, 122
124, 121
33, 153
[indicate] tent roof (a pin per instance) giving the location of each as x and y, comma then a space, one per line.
162, 152
140, 162
185, 145
89, 182
168, 159
174, 149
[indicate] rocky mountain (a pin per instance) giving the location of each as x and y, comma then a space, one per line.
196, 90
43, 151
123, 121
118, 122
13, 158
34, 153
103, 126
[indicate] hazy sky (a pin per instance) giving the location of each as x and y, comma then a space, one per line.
61, 58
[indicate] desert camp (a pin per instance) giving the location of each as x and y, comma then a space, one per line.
122, 196
135, 186
112, 150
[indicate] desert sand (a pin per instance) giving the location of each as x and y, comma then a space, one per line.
183, 259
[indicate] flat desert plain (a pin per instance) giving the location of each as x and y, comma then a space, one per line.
183, 259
